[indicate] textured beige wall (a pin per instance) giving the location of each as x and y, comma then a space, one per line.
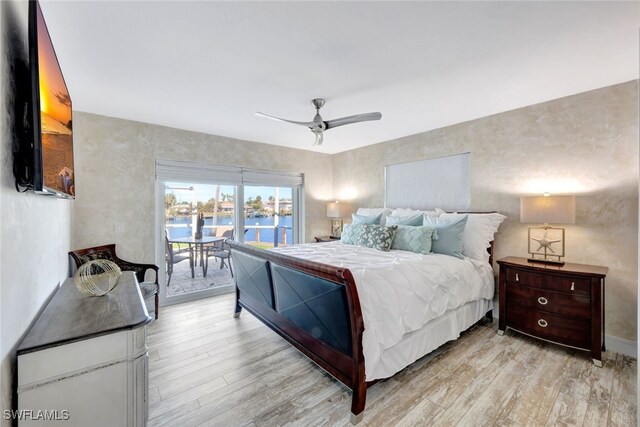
35, 231
585, 144
115, 170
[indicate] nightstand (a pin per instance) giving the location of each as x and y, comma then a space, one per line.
562, 304
325, 238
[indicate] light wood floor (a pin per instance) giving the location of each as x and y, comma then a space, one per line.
207, 368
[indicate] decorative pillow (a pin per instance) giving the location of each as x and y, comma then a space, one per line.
351, 233
404, 212
450, 234
478, 233
414, 239
377, 237
375, 211
365, 219
404, 220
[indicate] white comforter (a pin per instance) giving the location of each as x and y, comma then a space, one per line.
401, 291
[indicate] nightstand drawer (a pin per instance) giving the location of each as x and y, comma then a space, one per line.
523, 277
576, 285
573, 332
552, 302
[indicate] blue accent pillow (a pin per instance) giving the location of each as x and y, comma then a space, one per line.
376, 236
351, 233
404, 220
450, 234
365, 219
414, 239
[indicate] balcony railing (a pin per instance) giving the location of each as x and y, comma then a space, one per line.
279, 232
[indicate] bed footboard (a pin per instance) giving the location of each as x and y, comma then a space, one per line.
314, 306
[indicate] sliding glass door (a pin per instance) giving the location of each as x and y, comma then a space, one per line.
197, 219
200, 206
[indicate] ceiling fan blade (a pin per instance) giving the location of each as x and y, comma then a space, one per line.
352, 119
310, 125
319, 138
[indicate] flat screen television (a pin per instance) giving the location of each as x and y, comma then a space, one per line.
53, 171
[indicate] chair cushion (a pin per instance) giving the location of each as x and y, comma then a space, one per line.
148, 289
220, 253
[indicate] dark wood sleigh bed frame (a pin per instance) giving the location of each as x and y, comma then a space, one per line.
314, 306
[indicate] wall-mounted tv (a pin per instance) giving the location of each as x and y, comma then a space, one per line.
51, 167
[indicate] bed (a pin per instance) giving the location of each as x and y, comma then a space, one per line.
342, 305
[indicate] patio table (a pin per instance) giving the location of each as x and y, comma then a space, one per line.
199, 245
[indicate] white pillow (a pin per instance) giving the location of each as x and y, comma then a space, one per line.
375, 211
478, 233
405, 212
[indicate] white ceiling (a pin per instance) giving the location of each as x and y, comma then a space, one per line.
208, 66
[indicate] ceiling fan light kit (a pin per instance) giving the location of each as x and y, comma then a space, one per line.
318, 126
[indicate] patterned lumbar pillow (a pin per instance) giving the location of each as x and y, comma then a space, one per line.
377, 236
414, 239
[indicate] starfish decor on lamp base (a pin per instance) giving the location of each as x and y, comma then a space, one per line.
545, 244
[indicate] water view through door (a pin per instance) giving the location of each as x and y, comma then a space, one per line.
200, 217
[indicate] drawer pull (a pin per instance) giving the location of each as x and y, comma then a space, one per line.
542, 323
517, 278
573, 286
542, 301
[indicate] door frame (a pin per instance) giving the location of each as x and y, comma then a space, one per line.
298, 234
161, 256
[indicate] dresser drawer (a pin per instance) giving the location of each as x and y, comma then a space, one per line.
573, 332
576, 285
552, 302
524, 277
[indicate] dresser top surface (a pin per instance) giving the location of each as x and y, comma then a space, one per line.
71, 316
568, 268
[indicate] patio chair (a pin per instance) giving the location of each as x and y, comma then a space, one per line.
174, 256
149, 290
219, 250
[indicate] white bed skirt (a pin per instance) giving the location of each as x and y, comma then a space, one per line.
436, 332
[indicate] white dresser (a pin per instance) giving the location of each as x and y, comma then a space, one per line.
84, 362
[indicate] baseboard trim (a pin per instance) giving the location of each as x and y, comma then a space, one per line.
621, 345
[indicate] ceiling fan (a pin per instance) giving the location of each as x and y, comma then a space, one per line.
318, 126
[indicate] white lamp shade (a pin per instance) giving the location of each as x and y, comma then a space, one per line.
333, 210
548, 209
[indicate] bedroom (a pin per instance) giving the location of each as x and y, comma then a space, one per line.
544, 121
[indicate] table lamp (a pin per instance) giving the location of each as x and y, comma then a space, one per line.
334, 212
548, 241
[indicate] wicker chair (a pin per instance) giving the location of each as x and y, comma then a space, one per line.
149, 290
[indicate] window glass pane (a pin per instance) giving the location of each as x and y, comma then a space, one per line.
268, 216
184, 201
197, 264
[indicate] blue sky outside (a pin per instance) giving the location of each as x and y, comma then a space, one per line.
204, 192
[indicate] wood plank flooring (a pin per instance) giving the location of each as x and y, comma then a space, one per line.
207, 368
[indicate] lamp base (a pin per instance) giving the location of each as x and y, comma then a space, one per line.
546, 261
336, 228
